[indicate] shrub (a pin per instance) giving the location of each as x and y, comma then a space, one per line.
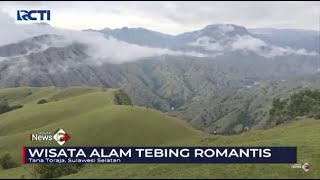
42, 101
317, 116
4, 107
7, 162
16, 107
46, 171
121, 98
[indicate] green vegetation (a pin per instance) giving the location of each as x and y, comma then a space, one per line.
303, 134
113, 124
243, 119
42, 101
47, 171
71, 92
7, 162
93, 119
5, 107
121, 98
304, 103
224, 107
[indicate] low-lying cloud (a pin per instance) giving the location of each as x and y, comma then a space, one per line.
246, 43
100, 48
249, 43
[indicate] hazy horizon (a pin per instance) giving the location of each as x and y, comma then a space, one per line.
174, 17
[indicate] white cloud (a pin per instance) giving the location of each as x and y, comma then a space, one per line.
206, 43
100, 49
258, 46
10, 32
248, 43
280, 51
226, 28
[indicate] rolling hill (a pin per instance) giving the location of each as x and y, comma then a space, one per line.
92, 117
224, 112
80, 110
303, 134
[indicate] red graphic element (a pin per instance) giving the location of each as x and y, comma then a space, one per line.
66, 137
30, 137
24, 159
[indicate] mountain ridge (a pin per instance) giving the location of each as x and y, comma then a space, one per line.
163, 79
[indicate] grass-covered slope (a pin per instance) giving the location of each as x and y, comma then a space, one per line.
303, 134
91, 117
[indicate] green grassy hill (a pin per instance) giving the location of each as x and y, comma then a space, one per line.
91, 117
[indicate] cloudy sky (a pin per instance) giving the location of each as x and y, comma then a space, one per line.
173, 17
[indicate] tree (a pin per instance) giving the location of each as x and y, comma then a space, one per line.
16, 107
278, 107
4, 107
316, 112
121, 98
46, 171
299, 104
304, 103
42, 101
7, 162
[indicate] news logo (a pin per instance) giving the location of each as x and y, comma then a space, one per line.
33, 15
306, 167
60, 136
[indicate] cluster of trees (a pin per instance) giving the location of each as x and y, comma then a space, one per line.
5, 107
121, 98
43, 171
48, 171
243, 118
305, 103
7, 162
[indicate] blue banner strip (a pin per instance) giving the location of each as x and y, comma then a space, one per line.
159, 155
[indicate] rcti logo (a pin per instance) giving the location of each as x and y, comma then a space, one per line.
60, 136
33, 15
